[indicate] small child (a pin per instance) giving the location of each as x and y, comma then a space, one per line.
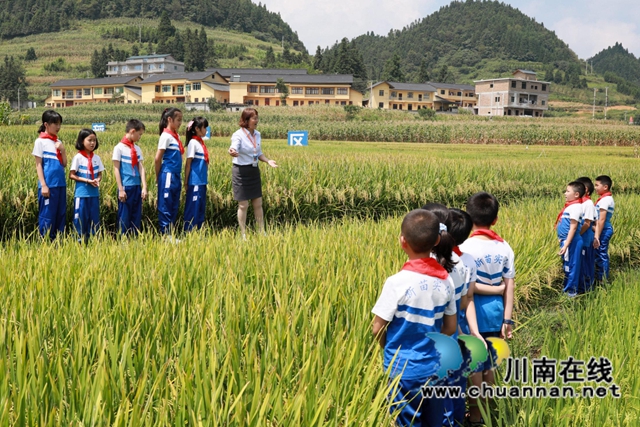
587, 263
568, 223
604, 230
86, 171
196, 174
51, 159
168, 165
414, 302
495, 283
130, 178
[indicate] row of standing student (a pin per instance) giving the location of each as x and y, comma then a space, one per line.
584, 231
459, 279
87, 168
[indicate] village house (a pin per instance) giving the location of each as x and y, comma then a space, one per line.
520, 95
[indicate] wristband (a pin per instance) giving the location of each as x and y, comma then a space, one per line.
508, 322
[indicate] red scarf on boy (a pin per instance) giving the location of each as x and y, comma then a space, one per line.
54, 138
565, 207
488, 233
204, 148
89, 158
134, 153
427, 266
608, 193
457, 251
176, 137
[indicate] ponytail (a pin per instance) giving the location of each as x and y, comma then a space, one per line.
196, 123
443, 250
49, 116
164, 121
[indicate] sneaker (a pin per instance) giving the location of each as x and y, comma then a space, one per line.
572, 294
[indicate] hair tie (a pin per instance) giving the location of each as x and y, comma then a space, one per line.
442, 228
189, 125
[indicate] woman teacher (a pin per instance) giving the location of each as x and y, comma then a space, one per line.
246, 151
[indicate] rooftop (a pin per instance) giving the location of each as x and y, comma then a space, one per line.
200, 75
451, 86
228, 72
95, 82
294, 78
409, 86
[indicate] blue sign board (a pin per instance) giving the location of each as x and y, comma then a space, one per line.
208, 135
298, 137
98, 127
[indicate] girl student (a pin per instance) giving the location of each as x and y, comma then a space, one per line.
51, 159
86, 170
195, 174
168, 165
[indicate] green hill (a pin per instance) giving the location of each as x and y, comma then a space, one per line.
618, 60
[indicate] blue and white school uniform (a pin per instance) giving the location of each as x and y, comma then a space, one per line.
195, 205
169, 183
414, 304
602, 252
587, 263
572, 257
129, 211
86, 214
52, 211
471, 277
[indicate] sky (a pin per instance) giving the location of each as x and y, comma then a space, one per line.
587, 26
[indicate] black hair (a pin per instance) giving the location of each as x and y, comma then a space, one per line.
49, 116
135, 124
588, 184
164, 121
420, 230
483, 209
461, 225
82, 135
578, 187
605, 180
197, 122
444, 248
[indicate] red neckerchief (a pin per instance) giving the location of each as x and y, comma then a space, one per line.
176, 137
204, 148
457, 251
565, 207
608, 193
428, 266
488, 233
584, 199
134, 153
89, 158
54, 138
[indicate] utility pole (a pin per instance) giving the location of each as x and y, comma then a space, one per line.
606, 101
593, 116
18, 98
586, 67
140, 32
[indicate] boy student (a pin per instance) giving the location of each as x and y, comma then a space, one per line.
567, 225
604, 230
130, 178
414, 302
494, 288
588, 260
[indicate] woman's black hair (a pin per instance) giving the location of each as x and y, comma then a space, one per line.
49, 116
197, 122
445, 247
82, 135
164, 121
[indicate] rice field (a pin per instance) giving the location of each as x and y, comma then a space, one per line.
275, 331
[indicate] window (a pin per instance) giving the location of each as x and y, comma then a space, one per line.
267, 89
295, 103
544, 102
78, 93
108, 91
393, 94
395, 106
301, 102
196, 99
419, 97
459, 93
97, 91
161, 66
86, 91
410, 107
343, 91
343, 102
410, 95
69, 94
152, 67
513, 85
257, 102
267, 101
157, 88
312, 91
56, 92
327, 91
497, 99
544, 88
524, 85
442, 92
296, 91
119, 89
513, 99
187, 87
138, 67
381, 93
175, 67
180, 90
380, 104
166, 88
125, 68
253, 89
196, 86
491, 86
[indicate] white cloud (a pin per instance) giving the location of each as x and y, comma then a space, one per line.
587, 38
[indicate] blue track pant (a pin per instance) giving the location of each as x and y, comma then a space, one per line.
416, 411
130, 211
194, 207
52, 215
169, 187
86, 216
602, 254
571, 265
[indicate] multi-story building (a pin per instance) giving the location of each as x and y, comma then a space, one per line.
185, 87
520, 95
461, 96
68, 93
402, 96
145, 66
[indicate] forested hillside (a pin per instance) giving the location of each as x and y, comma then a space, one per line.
25, 17
616, 59
461, 35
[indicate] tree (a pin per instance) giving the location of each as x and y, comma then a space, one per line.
30, 55
99, 63
317, 59
270, 58
423, 74
135, 51
393, 70
283, 89
13, 81
443, 75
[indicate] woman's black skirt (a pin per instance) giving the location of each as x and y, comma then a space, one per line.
246, 182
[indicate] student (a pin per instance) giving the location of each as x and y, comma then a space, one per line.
168, 165
494, 289
588, 258
51, 159
414, 302
196, 174
604, 230
86, 170
568, 223
130, 178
